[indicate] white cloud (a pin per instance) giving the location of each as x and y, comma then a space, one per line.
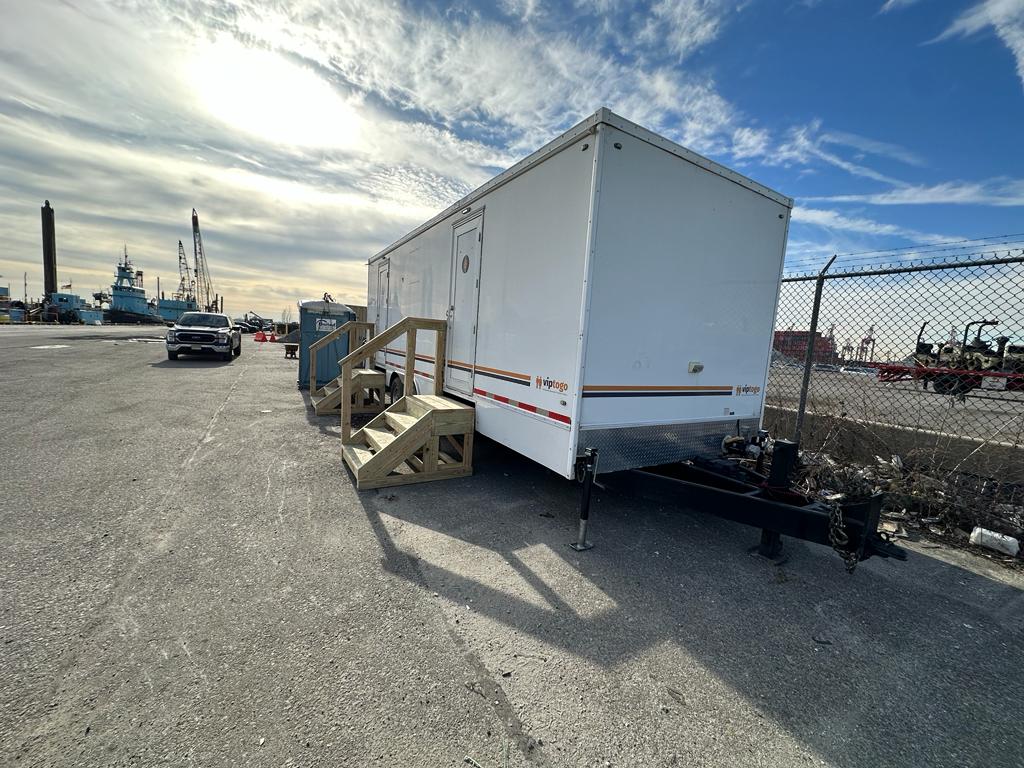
834, 220
806, 144
683, 25
749, 142
1005, 17
521, 9
894, 5
995, 192
872, 147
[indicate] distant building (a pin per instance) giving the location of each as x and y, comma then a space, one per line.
793, 344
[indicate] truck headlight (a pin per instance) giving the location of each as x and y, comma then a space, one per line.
171, 337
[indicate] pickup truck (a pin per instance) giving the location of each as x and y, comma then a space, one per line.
198, 333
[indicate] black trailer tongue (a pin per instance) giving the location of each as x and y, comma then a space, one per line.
727, 488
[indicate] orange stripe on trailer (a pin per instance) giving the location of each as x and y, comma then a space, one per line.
522, 377
484, 368
400, 353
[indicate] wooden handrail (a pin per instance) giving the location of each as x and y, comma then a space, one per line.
352, 327
406, 326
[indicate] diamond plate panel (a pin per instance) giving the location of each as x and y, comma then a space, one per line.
646, 446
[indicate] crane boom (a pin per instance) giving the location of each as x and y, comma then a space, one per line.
205, 295
186, 285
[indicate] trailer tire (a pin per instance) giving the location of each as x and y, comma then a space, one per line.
397, 389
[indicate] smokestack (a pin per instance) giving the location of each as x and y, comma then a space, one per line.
49, 251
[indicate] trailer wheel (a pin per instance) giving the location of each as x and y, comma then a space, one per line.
397, 389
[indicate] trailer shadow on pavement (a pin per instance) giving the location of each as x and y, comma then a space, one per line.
670, 624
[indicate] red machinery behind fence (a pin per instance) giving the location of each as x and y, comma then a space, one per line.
957, 367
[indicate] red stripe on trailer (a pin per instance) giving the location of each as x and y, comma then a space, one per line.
524, 406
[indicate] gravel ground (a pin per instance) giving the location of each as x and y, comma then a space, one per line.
189, 578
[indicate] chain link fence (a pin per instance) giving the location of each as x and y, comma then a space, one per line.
913, 373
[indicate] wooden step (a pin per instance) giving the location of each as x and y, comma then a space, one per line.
367, 374
407, 443
448, 417
378, 438
356, 456
331, 386
399, 421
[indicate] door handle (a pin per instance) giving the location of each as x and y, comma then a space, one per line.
450, 313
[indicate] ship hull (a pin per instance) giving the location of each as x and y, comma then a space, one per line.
134, 318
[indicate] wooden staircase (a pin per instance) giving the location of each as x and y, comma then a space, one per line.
366, 385
419, 437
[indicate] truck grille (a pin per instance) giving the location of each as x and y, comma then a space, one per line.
201, 338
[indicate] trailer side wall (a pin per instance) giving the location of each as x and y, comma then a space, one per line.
534, 233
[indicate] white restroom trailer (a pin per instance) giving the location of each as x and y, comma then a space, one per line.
613, 290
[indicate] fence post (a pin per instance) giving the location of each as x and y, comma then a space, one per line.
809, 357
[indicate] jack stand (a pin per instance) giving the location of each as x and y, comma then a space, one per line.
770, 547
589, 468
780, 477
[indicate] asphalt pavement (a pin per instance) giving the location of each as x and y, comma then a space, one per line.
980, 415
188, 577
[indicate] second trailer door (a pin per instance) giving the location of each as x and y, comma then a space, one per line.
467, 238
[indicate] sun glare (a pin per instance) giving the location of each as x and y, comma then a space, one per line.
264, 94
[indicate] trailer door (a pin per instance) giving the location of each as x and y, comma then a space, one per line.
465, 290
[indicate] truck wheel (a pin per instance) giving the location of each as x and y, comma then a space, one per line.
172, 355
238, 349
397, 389
226, 357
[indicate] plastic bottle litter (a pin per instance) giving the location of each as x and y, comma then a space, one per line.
1000, 542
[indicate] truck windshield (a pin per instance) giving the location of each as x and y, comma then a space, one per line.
203, 320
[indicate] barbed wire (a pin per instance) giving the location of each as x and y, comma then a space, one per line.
804, 270
902, 254
928, 245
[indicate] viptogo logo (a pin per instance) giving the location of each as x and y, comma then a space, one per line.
552, 385
748, 389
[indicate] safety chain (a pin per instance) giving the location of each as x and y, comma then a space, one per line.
839, 538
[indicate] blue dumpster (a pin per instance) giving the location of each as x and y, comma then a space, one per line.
316, 320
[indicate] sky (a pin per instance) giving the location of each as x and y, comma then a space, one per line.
309, 135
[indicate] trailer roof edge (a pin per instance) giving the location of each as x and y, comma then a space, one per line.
602, 116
